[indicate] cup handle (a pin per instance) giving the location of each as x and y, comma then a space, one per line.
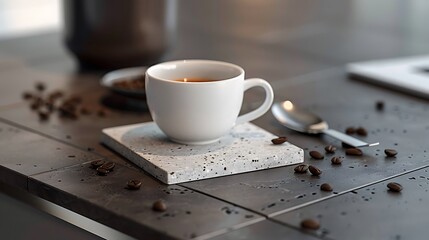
269, 97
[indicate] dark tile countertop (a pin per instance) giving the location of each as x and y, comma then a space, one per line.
303, 59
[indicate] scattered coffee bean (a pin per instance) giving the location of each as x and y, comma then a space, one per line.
36, 103
49, 106
159, 206
34, 106
330, 149
53, 96
67, 108
361, 131
390, 152
108, 166
314, 170
134, 184
40, 86
85, 111
279, 140
43, 115
97, 163
316, 155
326, 187
312, 224
354, 152
27, 95
336, 160
394, 187
101, 113
350, 130
102, 171
379, 105
301, 168
73, 100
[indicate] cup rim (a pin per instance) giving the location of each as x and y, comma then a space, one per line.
150, 69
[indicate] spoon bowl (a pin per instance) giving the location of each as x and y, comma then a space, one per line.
300, 120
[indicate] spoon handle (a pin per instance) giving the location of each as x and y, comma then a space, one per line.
348, 139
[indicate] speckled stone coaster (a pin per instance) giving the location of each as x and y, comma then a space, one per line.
247, 148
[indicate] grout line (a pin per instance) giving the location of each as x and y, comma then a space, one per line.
60, 168
314, 234
64, 214
229, 229
22, 127
238, 226
343, 192
270, 217
262, 216
58, 140
224, 200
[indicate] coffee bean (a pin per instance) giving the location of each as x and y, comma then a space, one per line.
159, 206
361, 131
101, 113
316, 155
350, 130
85, 111
40, 86
49, 102
50, 106
390, 152
108, 166
330, 149
27, 95
394, 187
301, 168
36, 103
68, 111
279, 140
134, 184
73, 100
326, 187
43, 115
379, 105
354, 152
34, 106
314, 170
55, 95
336, 160
97, 163
312, 224
102, 171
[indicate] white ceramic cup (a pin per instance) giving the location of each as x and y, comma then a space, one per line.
198, 113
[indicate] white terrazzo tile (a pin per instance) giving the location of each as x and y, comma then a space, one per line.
247, 148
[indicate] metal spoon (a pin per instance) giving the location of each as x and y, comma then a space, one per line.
299, 120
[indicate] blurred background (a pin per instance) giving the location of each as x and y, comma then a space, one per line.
302, 35
20, 18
